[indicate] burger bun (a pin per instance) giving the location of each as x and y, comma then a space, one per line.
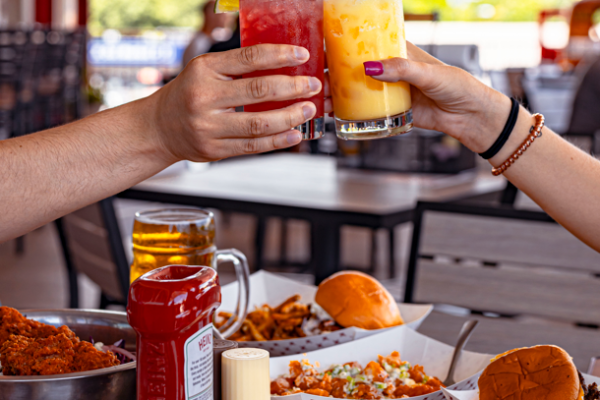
354, 299
535, 373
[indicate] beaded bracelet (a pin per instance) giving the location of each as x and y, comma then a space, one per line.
534, 133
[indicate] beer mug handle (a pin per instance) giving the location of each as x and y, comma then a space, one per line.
242, 272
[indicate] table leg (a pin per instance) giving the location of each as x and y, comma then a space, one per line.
71, 271
392, 251
374, 248
283, 242
325, 243
20, 245
259, 241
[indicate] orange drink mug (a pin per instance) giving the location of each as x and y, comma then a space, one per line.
356, 32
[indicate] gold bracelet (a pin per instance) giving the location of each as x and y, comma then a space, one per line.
534, 133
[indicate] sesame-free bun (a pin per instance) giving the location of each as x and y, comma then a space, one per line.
354, 299
535, 373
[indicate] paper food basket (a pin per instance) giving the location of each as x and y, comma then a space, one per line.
414, 347
267, 288
474, 394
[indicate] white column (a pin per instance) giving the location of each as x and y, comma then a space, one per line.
27, 15
64, 14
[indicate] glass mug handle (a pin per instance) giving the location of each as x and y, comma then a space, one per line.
234, 323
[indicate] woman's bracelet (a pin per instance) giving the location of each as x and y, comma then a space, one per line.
534, 133
505, 134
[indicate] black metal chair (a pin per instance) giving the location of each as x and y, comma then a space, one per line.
502, 261
92, 245
585, 118
519, 267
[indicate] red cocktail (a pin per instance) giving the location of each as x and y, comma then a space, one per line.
296, 22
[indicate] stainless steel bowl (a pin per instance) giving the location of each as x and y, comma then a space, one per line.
114, 383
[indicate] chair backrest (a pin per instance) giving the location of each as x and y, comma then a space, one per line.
96, 250
585, 119
501, 260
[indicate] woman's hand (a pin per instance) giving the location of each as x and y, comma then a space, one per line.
194, 114
447, 99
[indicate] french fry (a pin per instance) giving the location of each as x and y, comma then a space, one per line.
292, 299
300, 332
283, 317
294, 307
272, 323
256, 335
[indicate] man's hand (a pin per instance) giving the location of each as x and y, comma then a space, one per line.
52, 173
194, 114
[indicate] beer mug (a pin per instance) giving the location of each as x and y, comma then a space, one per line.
185, 236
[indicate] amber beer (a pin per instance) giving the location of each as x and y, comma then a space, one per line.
172, 237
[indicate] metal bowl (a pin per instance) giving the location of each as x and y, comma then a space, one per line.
113, 383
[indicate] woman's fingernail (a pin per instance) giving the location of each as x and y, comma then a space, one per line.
314, 84
373, 68
294, 137
301, 53
308, 111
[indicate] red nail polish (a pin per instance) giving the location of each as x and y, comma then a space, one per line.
373, 68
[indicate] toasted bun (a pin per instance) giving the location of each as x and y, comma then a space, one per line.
535, 373
354, 299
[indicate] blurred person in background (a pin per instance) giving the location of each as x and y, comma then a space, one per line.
216, 28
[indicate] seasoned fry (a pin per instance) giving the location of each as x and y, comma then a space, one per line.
293, 299
283, 317
256, 335
286, 321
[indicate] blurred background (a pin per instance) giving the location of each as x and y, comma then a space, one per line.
61, 60
129, 49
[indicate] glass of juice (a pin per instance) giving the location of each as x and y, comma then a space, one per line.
366, 30
295, 22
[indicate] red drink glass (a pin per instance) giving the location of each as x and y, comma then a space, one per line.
295, 22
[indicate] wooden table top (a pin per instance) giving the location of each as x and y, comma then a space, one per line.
314, 182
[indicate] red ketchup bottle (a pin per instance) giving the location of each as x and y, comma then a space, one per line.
171, 310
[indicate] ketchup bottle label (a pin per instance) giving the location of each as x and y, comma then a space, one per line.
198, 351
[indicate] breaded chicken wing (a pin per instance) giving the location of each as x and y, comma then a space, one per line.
13, 322
20, 355
87, 358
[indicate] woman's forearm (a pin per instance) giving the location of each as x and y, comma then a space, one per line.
50, 174
559, 177
562, 179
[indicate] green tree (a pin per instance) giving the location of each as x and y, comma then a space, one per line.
469, 10
143, 14
148, 14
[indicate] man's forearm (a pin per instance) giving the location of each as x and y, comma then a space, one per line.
51, 173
